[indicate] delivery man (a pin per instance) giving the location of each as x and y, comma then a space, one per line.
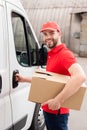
62, 61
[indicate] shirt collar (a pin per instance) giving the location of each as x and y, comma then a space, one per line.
56, 49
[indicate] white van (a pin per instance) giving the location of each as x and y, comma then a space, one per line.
18, 54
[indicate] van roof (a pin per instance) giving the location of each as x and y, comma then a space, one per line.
14, 2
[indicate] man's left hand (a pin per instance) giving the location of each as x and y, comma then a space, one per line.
53, 104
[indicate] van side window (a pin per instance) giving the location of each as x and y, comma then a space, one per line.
25, 43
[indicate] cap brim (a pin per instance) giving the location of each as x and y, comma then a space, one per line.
52, 29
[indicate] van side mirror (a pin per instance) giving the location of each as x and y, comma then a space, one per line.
43, 55
36, 57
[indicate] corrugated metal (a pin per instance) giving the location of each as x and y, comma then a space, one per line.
39, 16
54, 3
47, 3
60, 11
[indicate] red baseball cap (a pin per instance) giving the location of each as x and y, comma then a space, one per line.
50, 26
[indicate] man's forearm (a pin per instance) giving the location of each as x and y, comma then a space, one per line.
27, 79
70, 88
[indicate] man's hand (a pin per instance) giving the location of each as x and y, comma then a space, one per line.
19, 78
53, 104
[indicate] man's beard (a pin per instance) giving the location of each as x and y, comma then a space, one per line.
51, 46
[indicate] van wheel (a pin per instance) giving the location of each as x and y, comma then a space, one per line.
38, 122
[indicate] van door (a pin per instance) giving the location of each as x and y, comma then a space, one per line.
20, 60
5, 104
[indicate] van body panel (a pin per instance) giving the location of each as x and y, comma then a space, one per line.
5, 103
19, 94
20, 52
16, 112
17, 3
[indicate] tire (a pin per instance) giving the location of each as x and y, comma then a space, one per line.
38, 122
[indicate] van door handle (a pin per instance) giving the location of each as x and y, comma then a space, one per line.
0, 83
14, 82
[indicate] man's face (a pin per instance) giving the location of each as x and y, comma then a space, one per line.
51, 38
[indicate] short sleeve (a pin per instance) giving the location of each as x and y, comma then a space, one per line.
68, 59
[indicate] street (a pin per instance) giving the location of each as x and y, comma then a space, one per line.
78, 119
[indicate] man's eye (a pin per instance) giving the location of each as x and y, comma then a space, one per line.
52, 33
44, 34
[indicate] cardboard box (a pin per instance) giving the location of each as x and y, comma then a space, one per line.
46, 85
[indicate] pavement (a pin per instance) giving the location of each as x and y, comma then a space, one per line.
78, 119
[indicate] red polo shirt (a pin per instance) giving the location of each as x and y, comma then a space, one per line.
59, 60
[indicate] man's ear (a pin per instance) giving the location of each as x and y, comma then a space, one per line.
59, 33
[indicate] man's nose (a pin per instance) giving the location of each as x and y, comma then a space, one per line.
48, 36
